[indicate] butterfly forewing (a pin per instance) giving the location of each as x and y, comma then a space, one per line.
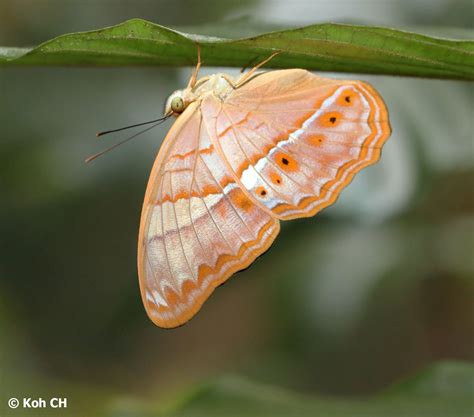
198, 227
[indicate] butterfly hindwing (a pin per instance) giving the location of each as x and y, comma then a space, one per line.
294, 140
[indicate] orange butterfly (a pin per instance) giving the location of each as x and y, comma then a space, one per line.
243, 155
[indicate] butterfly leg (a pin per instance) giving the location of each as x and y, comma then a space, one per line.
245, 77
193, 79
250, 64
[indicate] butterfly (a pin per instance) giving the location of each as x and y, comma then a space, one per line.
242, 155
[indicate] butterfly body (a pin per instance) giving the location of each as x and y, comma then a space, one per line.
218, 85
242, 155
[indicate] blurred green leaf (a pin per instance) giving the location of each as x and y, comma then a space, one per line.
428, 394
443, 379
324, 47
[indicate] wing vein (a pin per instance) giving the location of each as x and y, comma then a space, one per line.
228, 200
269, 159
211, 216
250, 162
178, 229
193, 180
163, 226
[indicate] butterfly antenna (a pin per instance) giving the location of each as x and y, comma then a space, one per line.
155, 123
106, 132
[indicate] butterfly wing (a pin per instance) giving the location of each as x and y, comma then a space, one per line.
197, 227
294, 140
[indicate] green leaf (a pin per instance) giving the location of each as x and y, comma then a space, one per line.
442, 379
323, 47
429, 394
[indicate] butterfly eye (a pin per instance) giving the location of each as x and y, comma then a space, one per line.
177, 104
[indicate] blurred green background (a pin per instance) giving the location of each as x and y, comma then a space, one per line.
344, 304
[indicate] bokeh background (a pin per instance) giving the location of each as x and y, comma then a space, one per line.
369, 291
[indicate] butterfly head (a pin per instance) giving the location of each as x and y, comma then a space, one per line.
177, 102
